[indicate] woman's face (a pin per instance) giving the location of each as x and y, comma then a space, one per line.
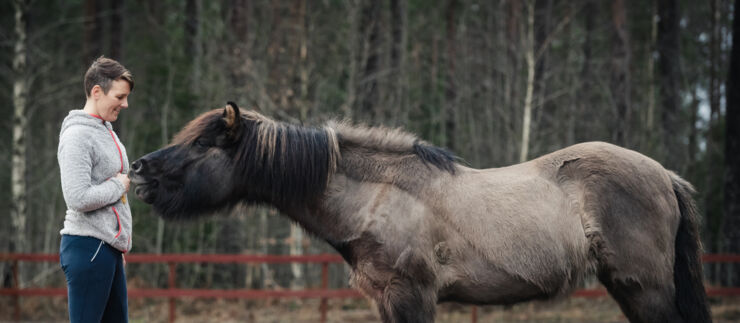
109, 105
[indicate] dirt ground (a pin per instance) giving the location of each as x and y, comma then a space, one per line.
45, 309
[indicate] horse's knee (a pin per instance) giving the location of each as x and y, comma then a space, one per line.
403, 301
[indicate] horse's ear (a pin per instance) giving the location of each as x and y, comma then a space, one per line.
231, 116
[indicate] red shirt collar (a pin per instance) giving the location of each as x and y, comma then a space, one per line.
97, 116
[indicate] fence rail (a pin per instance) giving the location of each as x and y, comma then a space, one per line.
324, 293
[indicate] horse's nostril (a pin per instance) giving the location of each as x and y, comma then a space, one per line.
137, 166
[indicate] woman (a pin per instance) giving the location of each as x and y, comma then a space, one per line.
97, 225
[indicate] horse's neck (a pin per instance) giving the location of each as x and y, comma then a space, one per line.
332, 216
361, 188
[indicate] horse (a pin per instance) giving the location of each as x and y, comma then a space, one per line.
417, 227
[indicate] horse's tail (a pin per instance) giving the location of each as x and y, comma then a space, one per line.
691, 298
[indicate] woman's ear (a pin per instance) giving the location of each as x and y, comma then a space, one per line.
96, 91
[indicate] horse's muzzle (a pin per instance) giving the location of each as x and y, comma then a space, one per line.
146, 191
145, 187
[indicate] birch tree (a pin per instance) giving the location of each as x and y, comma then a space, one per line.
20, 124
296, 232
529, 58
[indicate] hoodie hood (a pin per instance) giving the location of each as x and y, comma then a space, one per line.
80, 117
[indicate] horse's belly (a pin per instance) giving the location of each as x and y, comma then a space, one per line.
527, 237
492, 287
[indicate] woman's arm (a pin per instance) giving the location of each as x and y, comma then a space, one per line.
75, 165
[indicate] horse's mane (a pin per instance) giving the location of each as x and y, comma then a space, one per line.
188, 134
393, 140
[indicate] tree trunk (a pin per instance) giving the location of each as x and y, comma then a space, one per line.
543, 114
191, 27
585, 102
303, 68
239, 19
116, 30
450, 105
93, 46
571, 77
714, 58
669, 77
370, 31
164, 134
529, 57
296, 233
267, 281
192, 44
20, 124
732, 146
511, 86
620, 74
649, 133
296, 249
354, 46
398, 79
713, 180
116, 47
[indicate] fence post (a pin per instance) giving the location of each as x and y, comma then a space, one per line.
324, 286
474, 315
171, 283
16, 286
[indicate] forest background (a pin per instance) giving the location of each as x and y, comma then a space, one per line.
497, 82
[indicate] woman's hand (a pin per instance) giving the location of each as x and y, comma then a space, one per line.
124, 179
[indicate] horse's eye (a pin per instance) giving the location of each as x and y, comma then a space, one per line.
200, 143
220, 141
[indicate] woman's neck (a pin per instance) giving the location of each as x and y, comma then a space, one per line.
90, 107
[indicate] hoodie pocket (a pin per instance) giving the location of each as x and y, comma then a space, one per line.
118, 220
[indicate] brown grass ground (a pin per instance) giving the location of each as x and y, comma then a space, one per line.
45, 309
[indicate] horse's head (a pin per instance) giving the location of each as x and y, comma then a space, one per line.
196, 174
227, 156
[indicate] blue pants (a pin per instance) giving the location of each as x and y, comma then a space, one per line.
96, 281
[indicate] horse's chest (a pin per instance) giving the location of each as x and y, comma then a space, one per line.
371, 265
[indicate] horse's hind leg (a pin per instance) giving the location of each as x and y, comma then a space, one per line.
641, 284
641, 279
642, 302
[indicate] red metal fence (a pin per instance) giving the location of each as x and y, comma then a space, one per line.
324, 293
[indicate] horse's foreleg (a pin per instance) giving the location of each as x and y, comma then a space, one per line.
405, 301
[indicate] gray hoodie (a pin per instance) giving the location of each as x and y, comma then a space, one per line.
90, 155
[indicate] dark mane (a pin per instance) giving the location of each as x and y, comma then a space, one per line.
288, 162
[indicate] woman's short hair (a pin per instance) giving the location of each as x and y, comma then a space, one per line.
103, 72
